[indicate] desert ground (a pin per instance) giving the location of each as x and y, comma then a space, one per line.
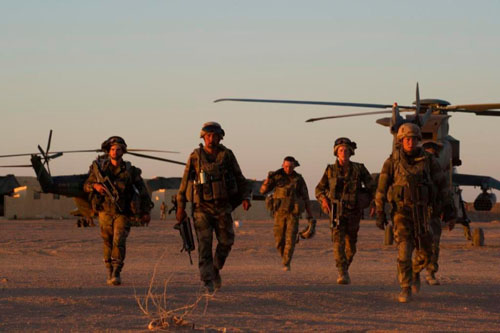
52, 278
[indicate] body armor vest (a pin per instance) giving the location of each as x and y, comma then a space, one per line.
405, 175
285, 194
214, 180
344, 187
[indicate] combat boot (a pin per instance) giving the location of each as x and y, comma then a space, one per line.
431, 280
109, 276
115, 279
405, 295
217, 280
209, 286
415, 285
343, 278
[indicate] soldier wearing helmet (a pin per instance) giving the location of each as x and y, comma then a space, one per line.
289, 199
118, 193
345, 189
215, 185
414, 179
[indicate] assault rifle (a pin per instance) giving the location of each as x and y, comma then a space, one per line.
109, 188
174, 205
186, 233
419, 196
185, 230
336, 211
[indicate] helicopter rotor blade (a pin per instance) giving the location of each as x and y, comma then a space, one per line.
154, 150
156, 158
359, 105
17, 166
352, 115
55, 155
48, 143
90, 151
417, 107
491, 109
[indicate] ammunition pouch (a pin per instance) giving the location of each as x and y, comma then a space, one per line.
401, 195
270, 203
286, 205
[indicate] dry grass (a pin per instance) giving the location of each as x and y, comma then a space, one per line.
162, 316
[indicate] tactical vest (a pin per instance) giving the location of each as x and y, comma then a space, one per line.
120, 181
285, 194
214, 181
347, 192
406, 175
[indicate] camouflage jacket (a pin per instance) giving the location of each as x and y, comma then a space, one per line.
223, 186
133, 197
346, 187
399, 168
290, 191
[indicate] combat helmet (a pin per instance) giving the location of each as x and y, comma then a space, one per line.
346, 142
292, 160
409, 130
212, 127
114, 140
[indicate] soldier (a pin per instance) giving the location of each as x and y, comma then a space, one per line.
214, 182
413, 176
117, 193
342, 195
163, 211
289, 197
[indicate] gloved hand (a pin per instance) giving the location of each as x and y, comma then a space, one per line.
310, 230
381, 220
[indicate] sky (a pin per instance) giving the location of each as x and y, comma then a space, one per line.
149, 71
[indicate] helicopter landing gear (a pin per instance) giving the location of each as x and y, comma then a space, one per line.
478, 237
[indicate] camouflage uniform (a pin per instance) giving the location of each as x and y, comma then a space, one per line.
289, 198
395, 174
115, 222
345, 184
214, 198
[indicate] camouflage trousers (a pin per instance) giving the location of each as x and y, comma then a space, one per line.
285, 229
345, 237
433, 265
114, 231
205, 223
405, 240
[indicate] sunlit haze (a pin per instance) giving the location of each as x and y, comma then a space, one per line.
149, 71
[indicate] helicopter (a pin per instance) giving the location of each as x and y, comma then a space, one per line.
72, 185
431, 115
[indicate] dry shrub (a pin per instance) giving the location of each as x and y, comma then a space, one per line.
155, 305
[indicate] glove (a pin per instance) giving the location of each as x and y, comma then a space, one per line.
310, 230
381, 220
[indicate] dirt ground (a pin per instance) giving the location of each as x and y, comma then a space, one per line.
52, 278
